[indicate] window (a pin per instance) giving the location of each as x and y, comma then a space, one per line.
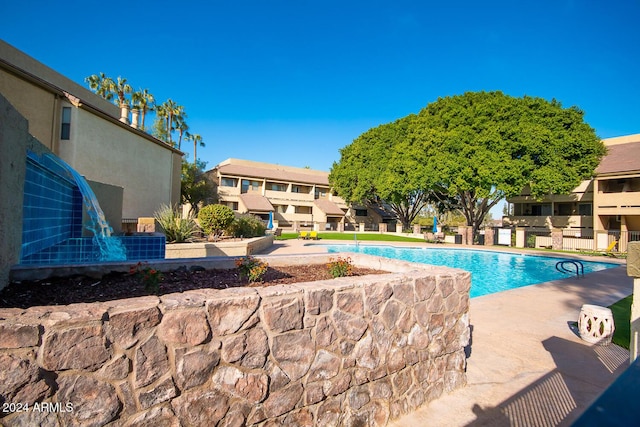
228, 182
65, 131
321, 192
361, 212
517, 209
273, 186
541, 210
303, 209
280, 208
299, 189
585, 209
250, 185
565, 208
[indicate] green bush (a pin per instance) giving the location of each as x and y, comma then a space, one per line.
215, 218
175, 228
247, 225
531, 241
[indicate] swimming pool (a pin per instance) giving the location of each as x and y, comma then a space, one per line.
490, 271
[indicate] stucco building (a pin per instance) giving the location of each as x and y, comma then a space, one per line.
609, 202
86, 132
297, 197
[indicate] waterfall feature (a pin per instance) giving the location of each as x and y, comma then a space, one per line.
111, 248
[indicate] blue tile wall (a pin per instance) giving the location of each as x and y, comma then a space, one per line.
141, 248
83, 250
52, 221
52, 209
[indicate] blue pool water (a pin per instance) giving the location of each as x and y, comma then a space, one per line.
490, 271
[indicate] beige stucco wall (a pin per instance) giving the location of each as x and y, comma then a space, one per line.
28, 84
148, 172
110, 199
223, 248
41, 105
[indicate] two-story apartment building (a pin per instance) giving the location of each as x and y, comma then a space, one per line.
616, 188
297, 197
610, 202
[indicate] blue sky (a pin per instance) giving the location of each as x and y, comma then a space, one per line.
292, 82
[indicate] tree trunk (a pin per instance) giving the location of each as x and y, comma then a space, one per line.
143, 113
195, 155
169, 123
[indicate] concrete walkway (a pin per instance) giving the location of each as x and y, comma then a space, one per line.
527, 366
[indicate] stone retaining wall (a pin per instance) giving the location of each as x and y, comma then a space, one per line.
353, 351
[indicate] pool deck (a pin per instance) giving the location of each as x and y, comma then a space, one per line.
527, 365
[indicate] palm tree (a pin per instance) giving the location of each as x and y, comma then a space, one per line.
181, 124
170, 110
144, 101
122, 88
197, 140
160, 130
101, 85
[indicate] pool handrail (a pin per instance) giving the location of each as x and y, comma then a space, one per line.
560, 266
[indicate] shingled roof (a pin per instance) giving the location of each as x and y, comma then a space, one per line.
328, 207
256, 202
619, 159
283, 174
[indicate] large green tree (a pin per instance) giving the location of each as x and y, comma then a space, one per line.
195, 188
381, 165
481, 147
468, 152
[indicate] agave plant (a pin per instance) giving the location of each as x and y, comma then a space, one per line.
176, 228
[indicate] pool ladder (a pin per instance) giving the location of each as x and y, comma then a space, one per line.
562, 268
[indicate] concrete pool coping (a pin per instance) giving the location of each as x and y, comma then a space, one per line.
282, 247
526, 365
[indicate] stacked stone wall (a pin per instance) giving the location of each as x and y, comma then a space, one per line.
353, 351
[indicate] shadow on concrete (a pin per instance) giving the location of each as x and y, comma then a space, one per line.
467, 349
560, 396
603, 287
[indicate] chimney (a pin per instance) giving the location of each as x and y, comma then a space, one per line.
124, 113
135, 114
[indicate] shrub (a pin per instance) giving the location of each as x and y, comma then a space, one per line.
251, 268
149, 277
340, 267
215, 218
247, 226
175, 228
531, 241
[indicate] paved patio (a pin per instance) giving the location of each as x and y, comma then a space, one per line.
527, 366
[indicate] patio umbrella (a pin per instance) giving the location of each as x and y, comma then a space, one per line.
270, 223
435, 224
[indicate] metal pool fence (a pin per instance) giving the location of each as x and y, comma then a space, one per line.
586, 240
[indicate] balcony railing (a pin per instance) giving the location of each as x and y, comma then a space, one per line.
614, 241
556, 221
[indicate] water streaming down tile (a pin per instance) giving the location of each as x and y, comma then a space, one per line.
55, 197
